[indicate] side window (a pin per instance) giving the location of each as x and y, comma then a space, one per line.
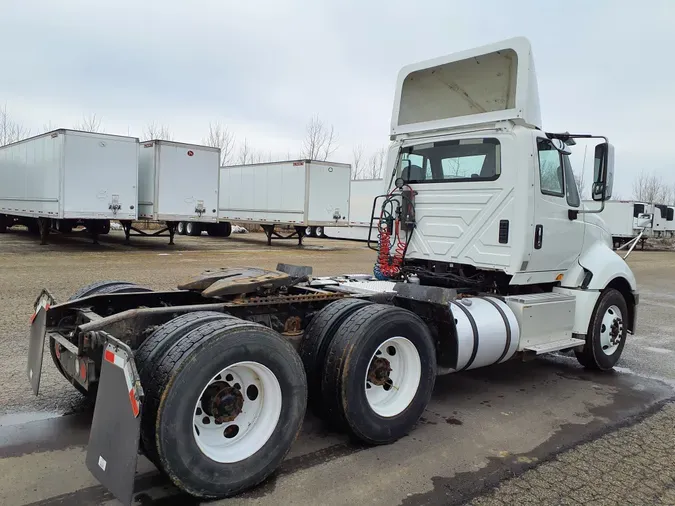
550, 169
572, 192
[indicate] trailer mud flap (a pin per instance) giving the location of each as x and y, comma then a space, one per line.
36, 344
113, 441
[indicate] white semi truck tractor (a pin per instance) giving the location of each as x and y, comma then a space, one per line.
484, 254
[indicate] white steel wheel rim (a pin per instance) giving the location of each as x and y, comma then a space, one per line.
252, 426
308, 231
611, 330
319, 231
403, 379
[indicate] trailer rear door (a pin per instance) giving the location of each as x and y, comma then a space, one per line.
101, 176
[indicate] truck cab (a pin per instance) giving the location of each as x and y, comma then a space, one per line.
495, 200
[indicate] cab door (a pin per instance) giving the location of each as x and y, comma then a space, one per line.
558, 234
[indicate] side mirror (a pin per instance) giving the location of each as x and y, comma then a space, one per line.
603, 172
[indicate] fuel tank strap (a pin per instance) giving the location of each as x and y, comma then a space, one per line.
507, 325
474, 329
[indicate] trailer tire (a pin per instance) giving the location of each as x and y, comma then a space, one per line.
193, 229
607, 332
180, 228
315, 342
175, 393
97, 288
65, 226
225, 229
105, 227
310, 231
373, 339
3, 224
318, 232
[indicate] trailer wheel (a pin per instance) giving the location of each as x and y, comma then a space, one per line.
192, 228
3, 224
310, 231
105, 227
380, 373
318, 232
223, 407
315, 342
97, 288
606, 334
225, 229
180, 228
65, 226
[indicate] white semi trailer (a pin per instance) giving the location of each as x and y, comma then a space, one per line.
362, 195
626, 220
65, 178
304, 194
486, 254
178, 184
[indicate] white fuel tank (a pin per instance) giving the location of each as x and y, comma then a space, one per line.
487, 331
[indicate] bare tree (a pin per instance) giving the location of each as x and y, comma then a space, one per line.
357, 163
244, 155
220, 137
375, 167
10, 130
90, 123
320, 141
48, 127
650, 188
160, 132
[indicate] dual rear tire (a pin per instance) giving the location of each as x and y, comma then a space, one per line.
224, 400
371, 369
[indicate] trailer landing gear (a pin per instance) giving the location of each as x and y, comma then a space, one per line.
128, 227
43, 225
300, 232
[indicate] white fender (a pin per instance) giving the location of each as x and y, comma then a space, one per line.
605, 266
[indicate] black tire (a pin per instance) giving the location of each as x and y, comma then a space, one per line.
33, 226
212, 230
315, 342
347, 364
3, 224
318, 232
172, 391
310, 231
592, 355
193, 229
65, 226
97, 288
104, 227
150, 353
225, 229
180, 228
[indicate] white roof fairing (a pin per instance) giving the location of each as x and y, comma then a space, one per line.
482, 85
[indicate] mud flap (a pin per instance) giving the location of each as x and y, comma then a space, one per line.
36, 344
115, 429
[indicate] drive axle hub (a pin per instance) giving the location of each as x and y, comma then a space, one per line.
378, 372
223, 402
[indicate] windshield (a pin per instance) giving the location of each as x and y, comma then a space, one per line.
448, 161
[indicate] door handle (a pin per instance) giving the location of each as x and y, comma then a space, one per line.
538, 236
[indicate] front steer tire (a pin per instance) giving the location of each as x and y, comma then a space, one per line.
592, 356
176, 384
360, 341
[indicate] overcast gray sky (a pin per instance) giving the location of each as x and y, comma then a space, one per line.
265, 67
